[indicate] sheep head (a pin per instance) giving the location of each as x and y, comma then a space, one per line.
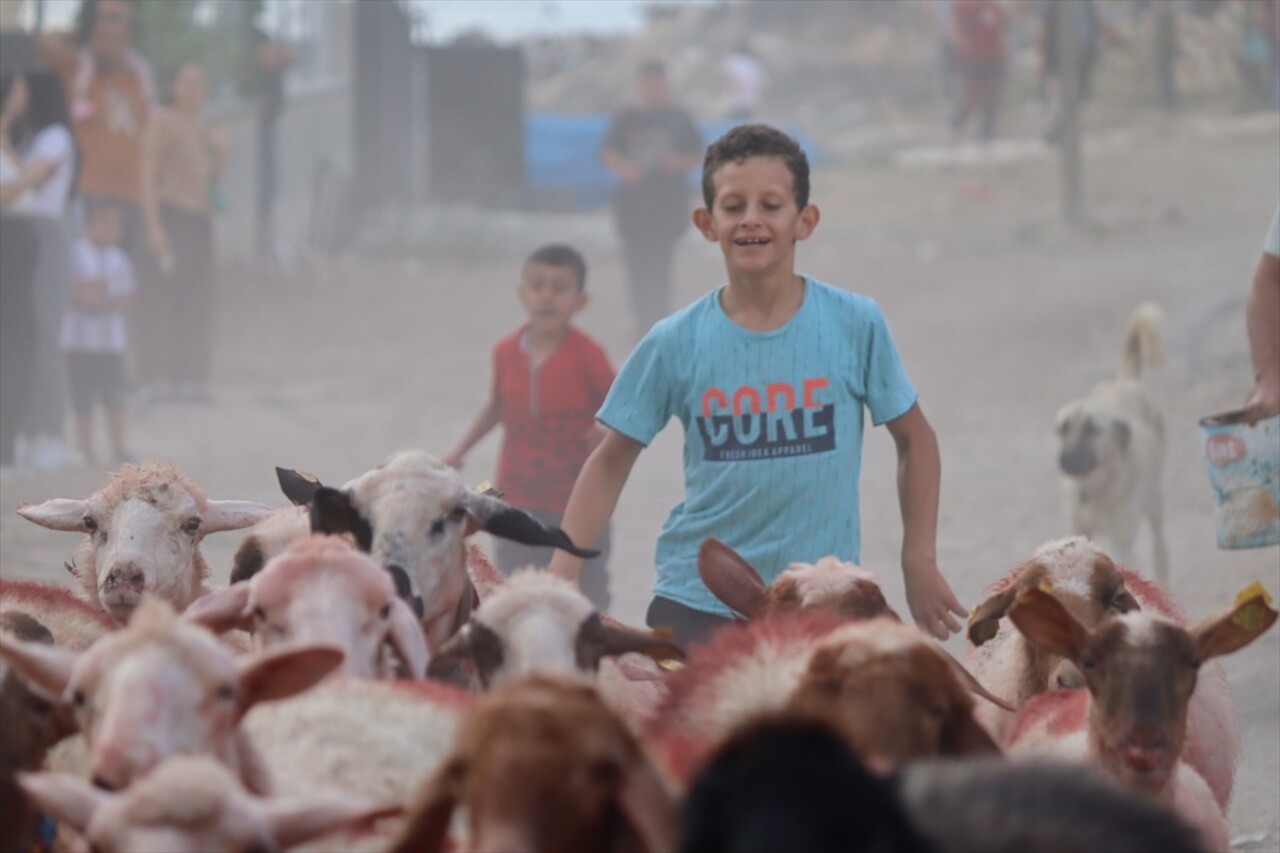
1140, 670
537, 622
846, 589
322, 590
144, 529
412, 514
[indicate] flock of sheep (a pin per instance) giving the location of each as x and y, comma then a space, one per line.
368, 682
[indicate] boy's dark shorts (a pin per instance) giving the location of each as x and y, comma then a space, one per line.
95, 377
689, 625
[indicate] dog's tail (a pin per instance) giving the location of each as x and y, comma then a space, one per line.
1143, 341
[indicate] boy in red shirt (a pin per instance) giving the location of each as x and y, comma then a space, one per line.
549, 380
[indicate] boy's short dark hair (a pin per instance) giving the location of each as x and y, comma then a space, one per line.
756, 140
561, 255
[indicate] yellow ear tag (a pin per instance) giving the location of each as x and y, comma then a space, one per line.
1253, 590
310, 478
671, 665
1251, 618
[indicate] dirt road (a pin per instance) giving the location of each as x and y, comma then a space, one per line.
1001, 316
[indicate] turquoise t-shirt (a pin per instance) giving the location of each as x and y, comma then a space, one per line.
773, 429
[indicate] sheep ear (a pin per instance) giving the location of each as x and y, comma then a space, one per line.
597, 639
428, 825
406, 639
1046, 623
69, 798
298, 486
222, 610
649, 808
233, 515
502, 519
293, 823
333, 512
1238, 626
249, 559
984, 621
63, 514
279, 675
731, 578
46, 668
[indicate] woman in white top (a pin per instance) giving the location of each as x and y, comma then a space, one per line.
49, 149
19, 254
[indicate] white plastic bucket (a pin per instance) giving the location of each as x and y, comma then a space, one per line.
1243, 462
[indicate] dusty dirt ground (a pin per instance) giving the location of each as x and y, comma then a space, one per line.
1001, 314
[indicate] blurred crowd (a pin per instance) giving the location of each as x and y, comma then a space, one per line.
109, 184
974, 46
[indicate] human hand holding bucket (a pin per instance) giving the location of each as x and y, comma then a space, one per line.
1243, 462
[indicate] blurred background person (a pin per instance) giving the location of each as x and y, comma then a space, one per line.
182, 157
650, 147
1258, 55
111, 89
49, 153
272, 60
93, 335
746, 81
977, 33
1091, 30
19, 254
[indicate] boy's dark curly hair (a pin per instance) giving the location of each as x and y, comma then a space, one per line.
756, 140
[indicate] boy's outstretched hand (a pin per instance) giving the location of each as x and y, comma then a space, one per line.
933, 605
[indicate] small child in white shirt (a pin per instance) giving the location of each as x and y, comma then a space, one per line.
94, 336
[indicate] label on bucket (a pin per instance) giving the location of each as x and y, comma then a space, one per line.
1244, 468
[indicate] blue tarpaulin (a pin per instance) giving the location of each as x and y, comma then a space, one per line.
562, 155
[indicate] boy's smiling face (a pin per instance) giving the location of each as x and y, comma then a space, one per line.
551, 295
754, 216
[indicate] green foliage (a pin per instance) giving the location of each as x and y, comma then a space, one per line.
215, 33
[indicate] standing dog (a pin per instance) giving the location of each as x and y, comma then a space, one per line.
1112, 450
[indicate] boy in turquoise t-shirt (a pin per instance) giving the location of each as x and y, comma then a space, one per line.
769, 375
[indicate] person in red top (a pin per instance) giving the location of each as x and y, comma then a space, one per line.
549, 380
977, 37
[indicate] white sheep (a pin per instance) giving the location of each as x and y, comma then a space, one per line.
321, 589
538, 622
143, 531
358, 736
412, 515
